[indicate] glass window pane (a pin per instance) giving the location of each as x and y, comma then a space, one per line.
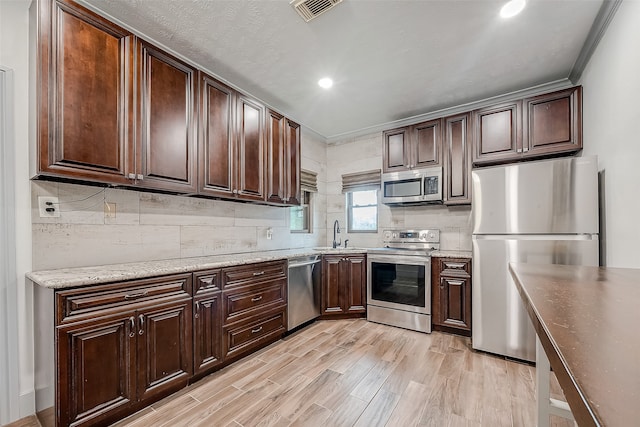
365, 198
364, 218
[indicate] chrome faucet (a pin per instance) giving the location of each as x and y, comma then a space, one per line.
336, 230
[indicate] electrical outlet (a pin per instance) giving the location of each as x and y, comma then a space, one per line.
269, 233
48, 207
109, 210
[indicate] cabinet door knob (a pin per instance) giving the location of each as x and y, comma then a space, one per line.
132, 327
141, 319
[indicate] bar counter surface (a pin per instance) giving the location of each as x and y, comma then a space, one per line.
588, 321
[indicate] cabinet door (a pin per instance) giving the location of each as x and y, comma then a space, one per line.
167, 125
355, 282
332, 299
395, 153
498, 133
553, 123
426, 144
217, 165
457, 164
292, 163
164, 348
455, 302
96, 362
85, 95
275, 158
207, 330
250, 149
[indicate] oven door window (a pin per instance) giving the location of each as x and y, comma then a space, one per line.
398, 283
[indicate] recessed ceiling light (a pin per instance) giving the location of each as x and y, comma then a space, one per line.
512, 8
325, 82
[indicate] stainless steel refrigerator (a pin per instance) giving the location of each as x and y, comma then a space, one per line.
543, 212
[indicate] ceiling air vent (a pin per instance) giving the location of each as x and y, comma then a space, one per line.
310, 9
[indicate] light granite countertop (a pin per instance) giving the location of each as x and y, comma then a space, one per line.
451, 254
85, 276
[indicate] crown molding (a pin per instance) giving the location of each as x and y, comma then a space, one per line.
600, 24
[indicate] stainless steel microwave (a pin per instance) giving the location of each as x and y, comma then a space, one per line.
414, 187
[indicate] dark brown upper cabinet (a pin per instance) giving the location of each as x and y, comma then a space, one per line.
283, 160
167, 122
553, 123
84, 95
250, 147
540, 126
457, 160
412, 147
498, 133
217, 165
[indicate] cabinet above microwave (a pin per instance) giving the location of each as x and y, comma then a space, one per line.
415, 187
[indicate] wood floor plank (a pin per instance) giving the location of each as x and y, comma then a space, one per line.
347, 412
257, 376
170, 410
268, 410
313, 416
372, 382
523, 412
495, 417
212, 384
409, 409
345, 384
521, 381
379, 410
286, 372
244, 402
204, 409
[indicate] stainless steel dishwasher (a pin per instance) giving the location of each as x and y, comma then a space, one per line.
304, 290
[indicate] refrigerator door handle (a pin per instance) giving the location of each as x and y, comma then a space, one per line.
585, 236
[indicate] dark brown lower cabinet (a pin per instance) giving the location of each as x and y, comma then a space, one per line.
120, 347
207, 339
96, 369
451, 295
344, 282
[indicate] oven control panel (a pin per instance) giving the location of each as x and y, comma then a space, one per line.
411, 236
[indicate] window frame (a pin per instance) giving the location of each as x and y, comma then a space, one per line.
350, 212
305, 196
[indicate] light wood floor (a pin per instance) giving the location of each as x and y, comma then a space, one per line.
357, 373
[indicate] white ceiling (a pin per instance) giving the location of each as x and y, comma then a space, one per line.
390, 59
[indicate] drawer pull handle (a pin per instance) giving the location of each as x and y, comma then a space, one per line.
258, 273
141, 319
256, 299
454, 265
132, 327
134, 296
256, 330
197, 309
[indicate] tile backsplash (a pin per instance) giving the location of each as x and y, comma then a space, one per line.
151, 226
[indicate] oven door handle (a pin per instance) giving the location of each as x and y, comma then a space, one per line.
400, 259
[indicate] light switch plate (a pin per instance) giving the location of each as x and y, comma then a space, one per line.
48, 207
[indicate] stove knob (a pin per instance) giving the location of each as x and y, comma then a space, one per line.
423, 236
431, 235
394, 235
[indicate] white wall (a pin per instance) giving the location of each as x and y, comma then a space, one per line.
365, 153
14, 48
611, 118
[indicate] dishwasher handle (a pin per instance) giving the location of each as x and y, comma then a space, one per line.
303, 264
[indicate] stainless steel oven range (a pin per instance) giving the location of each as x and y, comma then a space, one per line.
399, 279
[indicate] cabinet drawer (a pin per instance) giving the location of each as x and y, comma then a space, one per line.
455, 267
72, 304
246, 275
241, 339
206, 282
242, 302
